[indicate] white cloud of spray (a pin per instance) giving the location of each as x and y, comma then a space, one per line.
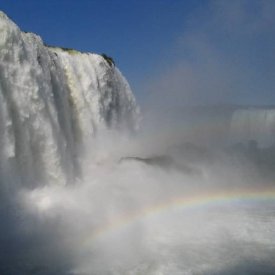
224, 55
123, 217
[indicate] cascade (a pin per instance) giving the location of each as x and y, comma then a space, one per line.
52, 102
253, 124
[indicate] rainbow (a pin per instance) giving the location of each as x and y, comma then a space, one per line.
184, 203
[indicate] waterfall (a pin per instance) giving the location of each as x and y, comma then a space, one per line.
254, 124
52, 102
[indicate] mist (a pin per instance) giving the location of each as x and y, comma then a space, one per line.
127, 214
223, 56
191, 191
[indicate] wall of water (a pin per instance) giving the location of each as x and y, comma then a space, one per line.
52, 102
253, 124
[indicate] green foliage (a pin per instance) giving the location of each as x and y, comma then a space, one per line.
68, 50
109, 59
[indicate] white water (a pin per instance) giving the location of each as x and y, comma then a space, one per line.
52, 103
62, 120
254, 124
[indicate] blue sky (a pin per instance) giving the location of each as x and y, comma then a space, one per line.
135, 33
178, 51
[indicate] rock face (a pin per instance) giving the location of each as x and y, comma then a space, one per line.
52, 101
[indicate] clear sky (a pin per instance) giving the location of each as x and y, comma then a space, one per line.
198, 51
